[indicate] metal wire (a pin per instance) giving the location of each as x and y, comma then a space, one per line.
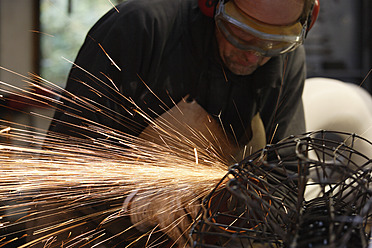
306, 191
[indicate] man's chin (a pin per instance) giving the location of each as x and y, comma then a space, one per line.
242, 70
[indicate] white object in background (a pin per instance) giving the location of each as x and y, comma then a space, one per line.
333, 105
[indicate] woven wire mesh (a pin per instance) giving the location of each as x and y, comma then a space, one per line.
305, 191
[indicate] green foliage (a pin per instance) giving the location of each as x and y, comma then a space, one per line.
64, 32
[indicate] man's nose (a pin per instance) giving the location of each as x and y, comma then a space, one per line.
251, 56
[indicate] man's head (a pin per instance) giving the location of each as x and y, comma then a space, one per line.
249, 32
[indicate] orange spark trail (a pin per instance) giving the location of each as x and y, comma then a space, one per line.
45, 189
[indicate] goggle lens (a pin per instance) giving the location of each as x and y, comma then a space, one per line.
246, 41
246, 33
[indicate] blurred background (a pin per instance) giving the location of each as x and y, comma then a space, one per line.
43, 36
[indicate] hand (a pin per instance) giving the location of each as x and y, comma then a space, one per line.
172, 211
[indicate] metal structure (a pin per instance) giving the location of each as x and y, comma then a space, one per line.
306, 191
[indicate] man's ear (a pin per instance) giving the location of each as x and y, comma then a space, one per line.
208, 7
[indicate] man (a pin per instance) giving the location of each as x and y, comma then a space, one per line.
176, 50
240, 62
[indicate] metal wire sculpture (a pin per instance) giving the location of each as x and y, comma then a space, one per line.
305, 191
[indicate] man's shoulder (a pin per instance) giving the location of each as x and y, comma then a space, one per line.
155, 7
148, 15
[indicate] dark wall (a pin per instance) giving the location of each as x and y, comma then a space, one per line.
340, 44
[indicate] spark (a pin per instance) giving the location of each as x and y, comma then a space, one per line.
112, 61
113, 5
224, 73
112, 82
365, 78
196, 156
7, 129
47, 186
223, 127
152, 92
273, 135
39, 32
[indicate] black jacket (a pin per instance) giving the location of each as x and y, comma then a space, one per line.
166, 49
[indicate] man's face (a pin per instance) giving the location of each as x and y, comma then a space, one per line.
239, 62
273, 12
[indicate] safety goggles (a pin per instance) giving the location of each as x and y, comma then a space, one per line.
247, 33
